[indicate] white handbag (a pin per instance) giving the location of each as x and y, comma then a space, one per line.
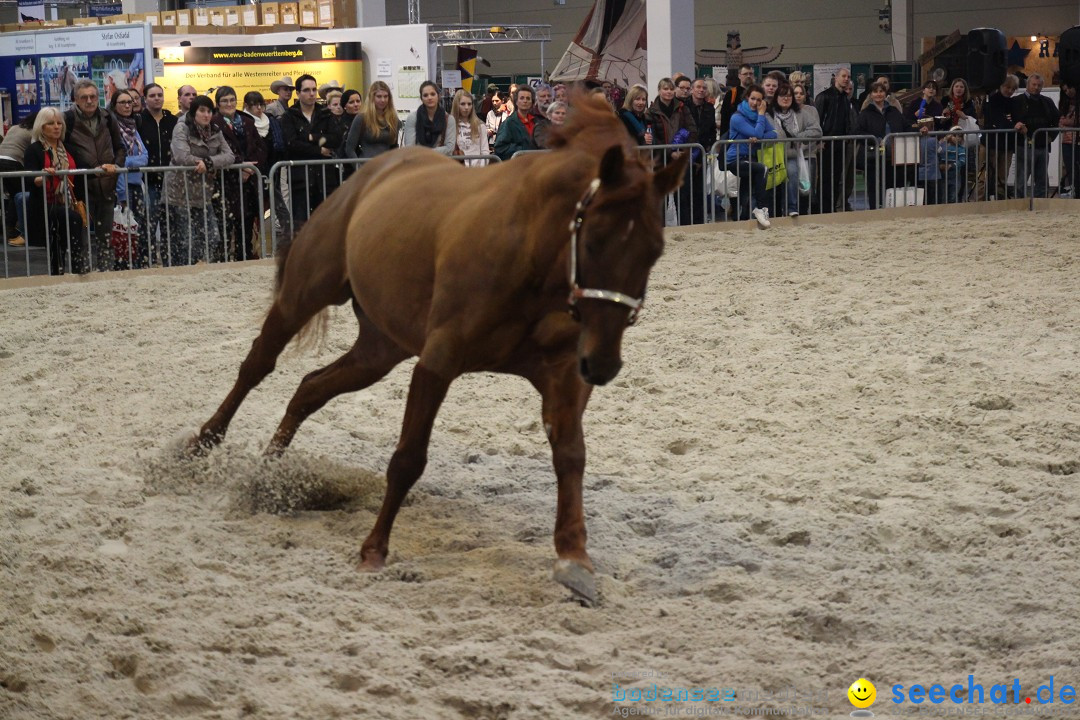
725, 182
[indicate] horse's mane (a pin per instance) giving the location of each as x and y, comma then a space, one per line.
590, 124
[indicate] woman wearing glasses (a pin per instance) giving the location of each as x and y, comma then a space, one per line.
133, 252
241, 194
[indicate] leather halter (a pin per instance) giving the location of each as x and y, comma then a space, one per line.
576, 291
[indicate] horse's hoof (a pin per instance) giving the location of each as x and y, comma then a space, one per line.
577, 579
196, 446
273, 451
372, 563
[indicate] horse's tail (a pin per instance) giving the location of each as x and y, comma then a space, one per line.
313, 333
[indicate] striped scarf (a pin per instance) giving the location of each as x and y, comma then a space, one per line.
58, 159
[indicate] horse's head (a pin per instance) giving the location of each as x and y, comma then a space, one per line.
617, 236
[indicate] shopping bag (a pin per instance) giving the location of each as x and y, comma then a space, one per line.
125, 232
725, 183
772, 157
671, 214
969, 126
804, 173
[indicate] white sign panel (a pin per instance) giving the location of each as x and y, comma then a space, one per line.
823, 75
92, 38
451, 79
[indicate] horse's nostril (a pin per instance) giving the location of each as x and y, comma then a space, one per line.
583, 368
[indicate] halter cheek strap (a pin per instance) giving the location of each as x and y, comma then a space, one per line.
576, 291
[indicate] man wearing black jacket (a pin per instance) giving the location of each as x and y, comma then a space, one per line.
156, 125
1033, 111
996, 148
835, 110
301, 144
704, 114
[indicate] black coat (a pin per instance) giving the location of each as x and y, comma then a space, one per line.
872, 121
835, 111
705, 120
157, 137
1036, 112
302, 143
998, 115
933, 109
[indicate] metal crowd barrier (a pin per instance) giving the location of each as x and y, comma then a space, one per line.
147, 233
1048, 162
946, 167
225, 221
834, 163
287, 216
690, 204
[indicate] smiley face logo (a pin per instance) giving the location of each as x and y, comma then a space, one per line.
862, 693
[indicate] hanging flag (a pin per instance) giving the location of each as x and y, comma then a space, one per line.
31, 11
466, 60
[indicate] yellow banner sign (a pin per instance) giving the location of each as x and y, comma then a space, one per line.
245, 69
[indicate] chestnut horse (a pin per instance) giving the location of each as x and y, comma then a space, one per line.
409, 240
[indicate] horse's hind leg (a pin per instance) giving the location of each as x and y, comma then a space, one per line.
368, 361
426, 393
277, 330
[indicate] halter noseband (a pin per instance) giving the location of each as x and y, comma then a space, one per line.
576, 291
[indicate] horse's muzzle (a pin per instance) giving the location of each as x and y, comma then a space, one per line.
597, 371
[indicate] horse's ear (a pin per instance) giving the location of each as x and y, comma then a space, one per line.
611, 166
671, 176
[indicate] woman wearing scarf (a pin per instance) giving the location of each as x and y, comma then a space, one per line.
135, 252
748, 122
196, 143
51, 218
273, 141
633, 116
430, 126
241, 201
790, 121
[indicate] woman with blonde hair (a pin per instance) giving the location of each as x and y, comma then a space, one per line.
634, 117
375, 129
471, 133
51, 217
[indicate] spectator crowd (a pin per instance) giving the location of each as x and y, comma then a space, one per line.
780, 150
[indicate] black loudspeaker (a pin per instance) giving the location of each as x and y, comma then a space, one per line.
1069, 56
986, 67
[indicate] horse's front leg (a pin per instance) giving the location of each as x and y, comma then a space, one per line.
427, 390
565, 395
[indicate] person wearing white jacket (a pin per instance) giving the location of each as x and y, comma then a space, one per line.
430, 125
471, 133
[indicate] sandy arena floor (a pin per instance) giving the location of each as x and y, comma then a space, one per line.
833, 452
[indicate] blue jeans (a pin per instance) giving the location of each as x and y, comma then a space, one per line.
21, 201
793, 185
